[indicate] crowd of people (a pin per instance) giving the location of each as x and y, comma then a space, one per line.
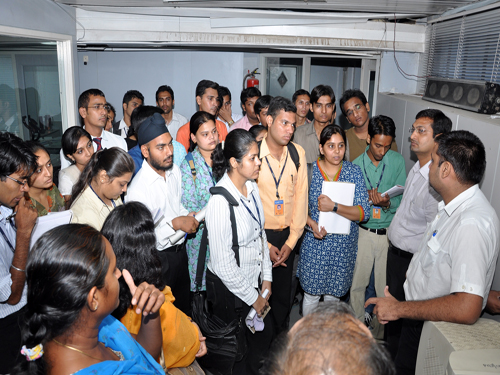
112, 292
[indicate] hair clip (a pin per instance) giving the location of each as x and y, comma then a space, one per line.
222, 145
34, 353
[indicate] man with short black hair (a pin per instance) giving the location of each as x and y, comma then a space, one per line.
17, 163
261, 107
302, 100
356, 109
283, 190
207, 98
165, 100
323, 108
248, 98
382, 169
131, 100
158, 185
450, 276
226, 114
93, 111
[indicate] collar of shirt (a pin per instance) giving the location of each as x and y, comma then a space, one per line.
424, 171
264, 151
310, 128
226, 182
369, 161
123, 125
149, 176
458, 200
5, 212
103, 134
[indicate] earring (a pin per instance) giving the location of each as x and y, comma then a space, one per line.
96, 307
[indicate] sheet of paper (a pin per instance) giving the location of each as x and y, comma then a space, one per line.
342, 193
394, 191
48, 222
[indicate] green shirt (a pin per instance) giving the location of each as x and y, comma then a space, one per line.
394, 174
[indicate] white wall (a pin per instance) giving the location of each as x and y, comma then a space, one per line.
403, 109
116, 72
391, 80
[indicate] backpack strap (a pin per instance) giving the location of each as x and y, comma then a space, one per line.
190, 160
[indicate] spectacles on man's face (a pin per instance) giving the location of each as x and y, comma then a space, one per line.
357, 108
420, 130
22, 183
98, 107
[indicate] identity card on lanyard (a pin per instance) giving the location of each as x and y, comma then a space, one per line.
256, 219
278, 203
376, 210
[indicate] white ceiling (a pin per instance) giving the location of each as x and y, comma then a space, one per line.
411, 7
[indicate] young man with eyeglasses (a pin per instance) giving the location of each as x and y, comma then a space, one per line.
17, 219
418, 207
356, 109
93, 111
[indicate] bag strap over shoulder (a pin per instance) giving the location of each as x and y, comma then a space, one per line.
190, 160
292, 150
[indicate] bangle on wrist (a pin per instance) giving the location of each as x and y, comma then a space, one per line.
17, 269
387, 208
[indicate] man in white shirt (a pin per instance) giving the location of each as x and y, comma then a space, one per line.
450, 276
165, 101
158, 185
418, 208
131, 100
93, 112
17, 163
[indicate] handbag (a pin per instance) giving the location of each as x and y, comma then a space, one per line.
226, 343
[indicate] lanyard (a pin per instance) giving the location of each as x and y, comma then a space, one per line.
112, 201
210, 173
251, 214
368, 178
7, 240
281, 174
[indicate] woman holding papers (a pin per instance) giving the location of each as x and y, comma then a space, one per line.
78, 149
43, 192
100, 185
327, 260
197, 179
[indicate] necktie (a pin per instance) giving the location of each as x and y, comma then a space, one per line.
98, 143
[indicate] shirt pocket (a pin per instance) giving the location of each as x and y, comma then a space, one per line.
290, 187
433, 251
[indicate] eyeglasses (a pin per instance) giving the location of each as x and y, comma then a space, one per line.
357, 108
419, 130
22, 183
98, 107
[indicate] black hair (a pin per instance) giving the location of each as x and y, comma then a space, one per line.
322, 90
35, 146
140, 114
256, 129
465, 152
111, 109
236, 145
114, 161
441, 123
383, 125
249, 92
205, 84
64, 265
70, 140
223, 91
15, 156
299, 92
84, 98
261, 103
164, 88
131, 231
131, 94
348, 95
327, 133
197, 120
279, 103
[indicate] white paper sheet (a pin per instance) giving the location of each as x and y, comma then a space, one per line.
342, 193
48, 222
394, 191
200, 216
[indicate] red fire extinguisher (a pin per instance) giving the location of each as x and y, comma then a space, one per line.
252, 81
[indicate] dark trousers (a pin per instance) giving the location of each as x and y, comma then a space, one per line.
10, 341
406, 359
175, 273
397, 265
222, 303
282, 283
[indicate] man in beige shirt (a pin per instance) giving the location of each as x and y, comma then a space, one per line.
283, 190
356, 109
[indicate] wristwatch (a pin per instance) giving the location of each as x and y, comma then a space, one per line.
335, 207
230, 122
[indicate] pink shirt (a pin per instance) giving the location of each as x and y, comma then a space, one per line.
241, 124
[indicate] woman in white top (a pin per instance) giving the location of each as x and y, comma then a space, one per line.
78, 149
98, 189
235, 168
